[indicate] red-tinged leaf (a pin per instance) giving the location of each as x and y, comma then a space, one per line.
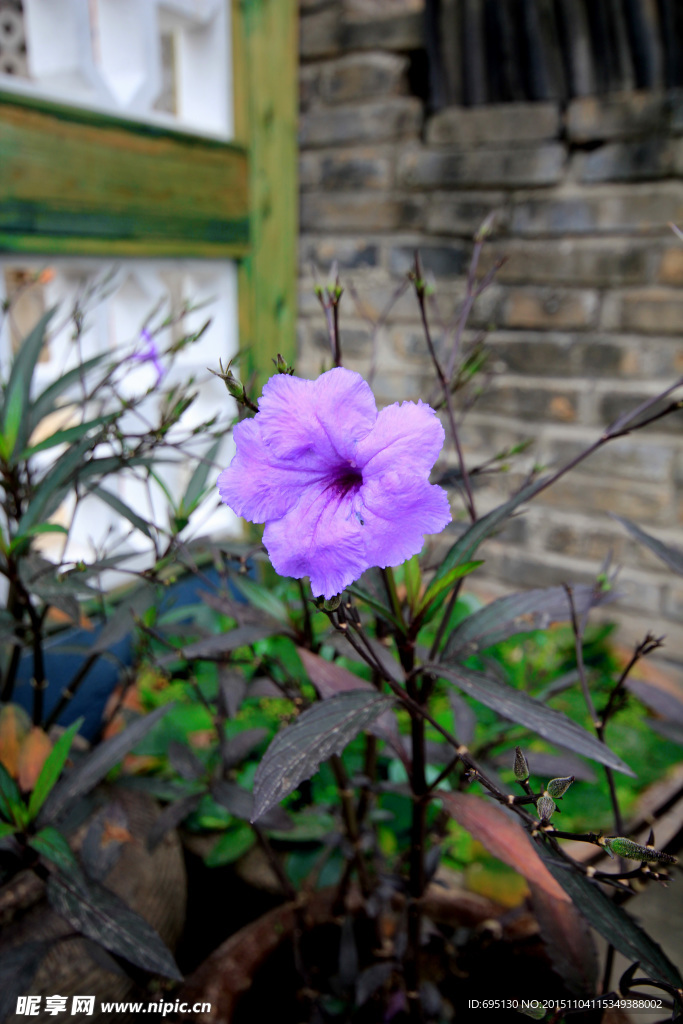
15, 726
662, 694
34, 753
503, 838
568, 940
330, 679
321, 731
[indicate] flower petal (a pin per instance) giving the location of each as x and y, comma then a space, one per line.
324, 418
321, 538
398, 509
408, 435
257, 484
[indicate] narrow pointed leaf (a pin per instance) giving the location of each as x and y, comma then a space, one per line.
365, 597
52, 768
11, 805
53, 483
669, 555
67, 435
15, 420
438, 588
46, 402
503, 837
517, 706
95, 765
261, 598
467, 544
517, 613
123, 510
612, 921
53, 847
101, 915
322, 730
216, 647
197, 484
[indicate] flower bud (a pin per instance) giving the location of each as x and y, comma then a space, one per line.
331, 604
558, 787
521, 767
545, 807
632, 851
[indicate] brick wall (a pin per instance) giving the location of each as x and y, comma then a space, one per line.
584, 319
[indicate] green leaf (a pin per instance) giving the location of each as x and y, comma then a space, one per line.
320, 731
612, 921
11, 805
123, 510
67, 435
53, 481
373, 602
519, 707
52, 845
195, 488
21, 539
438, 588
15, 422
413, 580
6, 829
260, 597
229, 847
467, 544
52, 769
46, 402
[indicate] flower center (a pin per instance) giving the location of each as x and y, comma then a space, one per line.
346, 480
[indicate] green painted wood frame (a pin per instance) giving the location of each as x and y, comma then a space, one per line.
78, 182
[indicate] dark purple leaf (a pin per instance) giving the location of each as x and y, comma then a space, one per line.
550, 766
568, 941
240, 746
17, 970
465, 718
672, 731
370, 980
240, 803
101, 915
171, 817
232, 687
662, 695
517, 613
611, 920
244, 614
262, 686
320, 731
517, 706
184, 761
669, 555
95, 765
216, 647
122, 621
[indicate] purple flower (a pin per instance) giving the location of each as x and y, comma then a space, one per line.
150, 354
339, 486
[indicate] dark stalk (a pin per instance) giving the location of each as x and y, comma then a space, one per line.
444, 382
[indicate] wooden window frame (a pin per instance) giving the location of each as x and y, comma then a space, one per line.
81, 183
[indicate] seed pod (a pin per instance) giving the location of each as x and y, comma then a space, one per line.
545, 807
632, 851
521, 767
558, 787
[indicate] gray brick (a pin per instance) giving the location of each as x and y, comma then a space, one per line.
320, 33
495, 125
402, 32
352, 211
440, 260
646, 160
558, 354
597, 262
348, 254
482, 168
613, 208
581, 491
355, 341
348, 169
550, 308
651, 310
380, 121
462, 213
623, 116
529, 402
362, 76
640, 461
614, 405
